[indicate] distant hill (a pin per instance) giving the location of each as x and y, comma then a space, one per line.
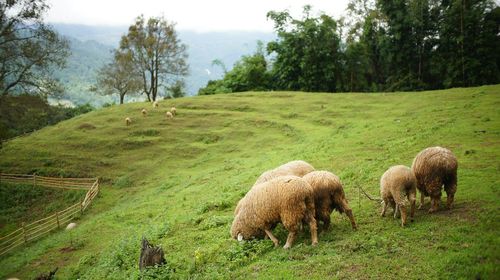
91, 46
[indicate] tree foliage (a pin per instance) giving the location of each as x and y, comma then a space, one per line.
119, 77
29, 49
157, 53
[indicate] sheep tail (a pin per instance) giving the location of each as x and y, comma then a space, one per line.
368, 196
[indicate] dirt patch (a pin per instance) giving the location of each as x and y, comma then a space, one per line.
86, 126
461, 211
67, 249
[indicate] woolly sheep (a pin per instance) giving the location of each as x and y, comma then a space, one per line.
155, 104
173, 111
144, 112
398, 186
169, 115
297, 168
128, 121
328, 196
433, 168
286, 199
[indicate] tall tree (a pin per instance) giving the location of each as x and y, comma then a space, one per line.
118, 77
308, 54
29, 49
157, 52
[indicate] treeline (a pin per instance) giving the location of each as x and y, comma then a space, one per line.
380, 46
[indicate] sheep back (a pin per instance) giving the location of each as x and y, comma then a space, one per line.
397, 183
296, 168
434, 167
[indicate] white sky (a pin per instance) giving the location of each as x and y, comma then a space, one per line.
201, 15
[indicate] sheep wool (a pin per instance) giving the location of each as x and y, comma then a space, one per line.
297, 168
128, 121
169, 115
144, 112
173, 111
398, 187
433, 168
328, 196
288, 200
155, 104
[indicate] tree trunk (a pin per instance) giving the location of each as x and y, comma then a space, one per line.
121, 98
150, 255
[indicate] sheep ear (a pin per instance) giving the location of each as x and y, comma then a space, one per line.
240, 237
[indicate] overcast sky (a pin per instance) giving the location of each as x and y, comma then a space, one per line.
199, 15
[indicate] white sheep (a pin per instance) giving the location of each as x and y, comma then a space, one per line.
169, 115
144, 112
128, 121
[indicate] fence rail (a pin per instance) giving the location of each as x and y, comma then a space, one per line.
57, 220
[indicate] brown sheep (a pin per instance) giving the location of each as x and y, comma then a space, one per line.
288, 200
297, 168
328, 196
433, 168
398, 185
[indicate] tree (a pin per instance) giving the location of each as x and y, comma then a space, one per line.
157, 53
177, 89
308, 54
29, 49
118, 77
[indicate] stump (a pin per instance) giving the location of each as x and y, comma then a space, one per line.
47, 276
150, 255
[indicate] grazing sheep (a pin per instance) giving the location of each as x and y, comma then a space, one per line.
433, 168
328, 196
128, 121
287, 199
173, 111
297, 168
155, 104
398, 186
169, 115
144, 112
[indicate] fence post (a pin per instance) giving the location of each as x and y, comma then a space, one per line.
81, 208
57, 218
24, 233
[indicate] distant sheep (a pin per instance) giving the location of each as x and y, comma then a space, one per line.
144, 112
128, 121
288, 200
169, 115
173, 111
155, 104
297, 168
398, 188
433, 168
328, 196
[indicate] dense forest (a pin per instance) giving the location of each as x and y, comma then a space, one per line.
379, 46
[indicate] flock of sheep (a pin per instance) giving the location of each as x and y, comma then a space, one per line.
294, 193
169, 114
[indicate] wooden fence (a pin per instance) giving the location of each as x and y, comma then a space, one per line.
39, 228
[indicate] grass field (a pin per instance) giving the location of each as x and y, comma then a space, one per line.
177, 182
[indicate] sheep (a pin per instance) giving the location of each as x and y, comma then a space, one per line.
173, 111
128, 121
169, 115
398, 185
328, 196
286, 199
433, 168
144, 112
155, 104
297, 168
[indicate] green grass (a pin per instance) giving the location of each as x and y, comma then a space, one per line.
176, 182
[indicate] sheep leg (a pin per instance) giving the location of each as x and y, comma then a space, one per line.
271, 236
412, 198
348, 212
434, 204
450, 189
421, 201
326, 223
291, 239
402, 209
396, 211
384, 208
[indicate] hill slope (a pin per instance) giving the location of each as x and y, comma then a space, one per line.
177, 182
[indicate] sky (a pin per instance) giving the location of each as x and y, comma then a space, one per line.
200, 15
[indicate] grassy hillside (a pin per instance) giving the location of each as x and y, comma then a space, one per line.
177, 182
